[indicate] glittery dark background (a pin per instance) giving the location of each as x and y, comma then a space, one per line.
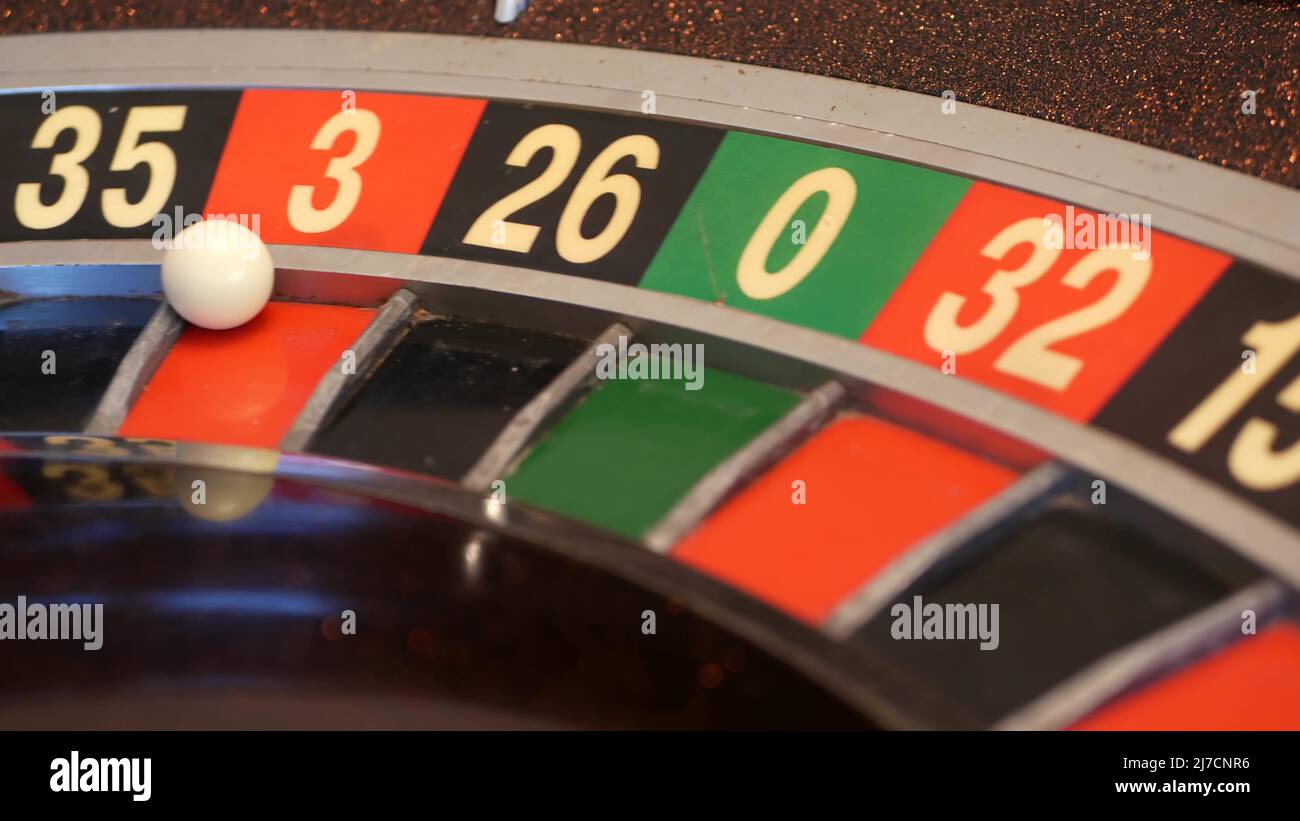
1168, 73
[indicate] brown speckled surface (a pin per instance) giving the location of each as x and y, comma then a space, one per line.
1167, 73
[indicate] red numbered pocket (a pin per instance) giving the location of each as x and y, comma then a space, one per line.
344, 169
1043, 301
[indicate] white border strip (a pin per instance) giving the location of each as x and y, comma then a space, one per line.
862, 605
517, 435
756, 456
379, 337
135, 370
1168, 649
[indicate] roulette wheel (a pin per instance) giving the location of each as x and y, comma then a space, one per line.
694, 373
